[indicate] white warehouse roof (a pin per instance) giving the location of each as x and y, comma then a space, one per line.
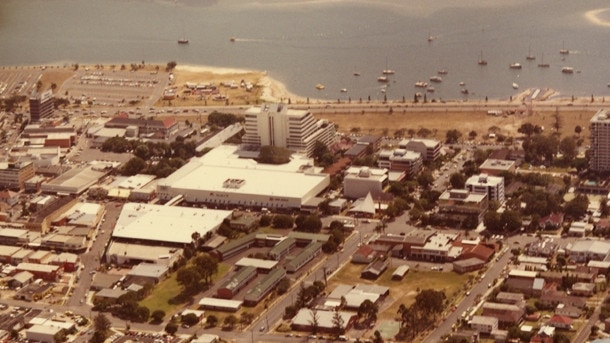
166, 223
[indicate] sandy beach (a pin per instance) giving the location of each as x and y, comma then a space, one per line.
270, 90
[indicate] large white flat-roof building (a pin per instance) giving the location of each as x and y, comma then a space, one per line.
277, 125
157, 223
221, 178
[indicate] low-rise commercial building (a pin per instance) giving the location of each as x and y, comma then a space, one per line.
459, 204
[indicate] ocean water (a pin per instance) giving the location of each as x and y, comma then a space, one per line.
305, 42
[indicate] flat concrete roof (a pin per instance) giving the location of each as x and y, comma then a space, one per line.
166, 223
209, 173
257, 263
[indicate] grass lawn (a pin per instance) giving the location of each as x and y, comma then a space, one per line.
169, 288
404, 291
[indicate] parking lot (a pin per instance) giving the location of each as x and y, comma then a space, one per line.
111, 88
18, 80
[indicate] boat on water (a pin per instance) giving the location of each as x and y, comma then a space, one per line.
232, 39
443, 72
430, 37
383, 79
464, 91
430, 89
462, 83
356, 73
320, 86
388, 72
183, 41
436, 79
482, 61
529, 56
515, 85
343, 90
421, 84
542, 64
515, 66
567, 70
563, 49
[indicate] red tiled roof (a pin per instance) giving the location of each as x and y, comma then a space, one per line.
561, 320
169, 122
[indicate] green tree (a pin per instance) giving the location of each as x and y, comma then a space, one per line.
282, 221
452, 136
230, 321
211, 320
158, 315
368, 311
338, 322
171, 328
310, 223
457, 180
134, 166
425, 178
207, 267
101, 323
568, 148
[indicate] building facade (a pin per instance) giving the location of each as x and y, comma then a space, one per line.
599, 126
296, 130
430, 149
13, 175
41, 105
493, 186
401, 160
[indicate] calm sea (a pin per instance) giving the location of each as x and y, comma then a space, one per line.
305, 42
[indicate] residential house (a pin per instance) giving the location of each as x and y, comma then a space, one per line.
507, 314
560, 322
483, 324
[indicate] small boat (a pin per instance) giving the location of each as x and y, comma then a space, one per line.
515, 66
387, 71
464, 91
529, 56
515, 85
482, 61
608, 84
567, 70
421, 84
462, 83
383, 89
343, 90
436, 79
443, 72
183, 41
430, 89
232, 39
418, 95
320, 86
356, 73
563, 50
542, 64
383, 79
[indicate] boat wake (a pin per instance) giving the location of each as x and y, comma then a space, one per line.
594, 16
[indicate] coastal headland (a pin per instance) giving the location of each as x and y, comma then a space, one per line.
144, 85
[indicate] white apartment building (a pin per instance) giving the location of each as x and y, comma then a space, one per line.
277, 125
493, 186
599, 126
360, 181
430, 149
401, 160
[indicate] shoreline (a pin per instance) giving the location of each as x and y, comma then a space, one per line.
273, 90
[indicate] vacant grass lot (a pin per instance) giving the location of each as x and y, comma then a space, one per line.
404, 291
160, 298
